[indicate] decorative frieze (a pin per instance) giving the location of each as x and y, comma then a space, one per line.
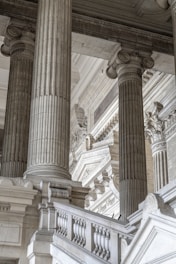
108, 128
4, 207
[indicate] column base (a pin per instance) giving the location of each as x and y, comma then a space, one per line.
47, 171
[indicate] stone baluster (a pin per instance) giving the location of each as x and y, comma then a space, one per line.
107, 247
79, 231
101, 242
62, 223
50, 104
19, 45
95, 237
128, 66
154, 129
103, 238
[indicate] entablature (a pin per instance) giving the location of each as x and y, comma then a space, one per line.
134, 27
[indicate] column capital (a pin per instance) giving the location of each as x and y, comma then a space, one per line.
135, 58
154, 126
19, 40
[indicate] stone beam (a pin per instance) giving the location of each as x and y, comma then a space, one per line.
118, 33
122, 34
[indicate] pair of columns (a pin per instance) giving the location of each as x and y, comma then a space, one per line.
47, 153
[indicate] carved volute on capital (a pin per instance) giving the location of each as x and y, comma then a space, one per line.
154, 126
129, 61
164, 4
19, 41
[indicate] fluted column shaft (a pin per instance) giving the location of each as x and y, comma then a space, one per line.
159, 152
132, 161
132, 169
19, 44
50, 106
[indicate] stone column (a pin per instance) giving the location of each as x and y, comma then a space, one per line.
154, 129
19, 45
50, 105
128, 66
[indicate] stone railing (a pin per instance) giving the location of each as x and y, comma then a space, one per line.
99, 236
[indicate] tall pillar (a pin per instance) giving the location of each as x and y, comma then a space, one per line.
154, 129
19, 45
129, 66
50, 105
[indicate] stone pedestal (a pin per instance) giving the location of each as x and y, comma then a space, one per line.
19, 44
50, 106
129, 65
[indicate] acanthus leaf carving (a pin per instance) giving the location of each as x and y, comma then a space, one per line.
154, 126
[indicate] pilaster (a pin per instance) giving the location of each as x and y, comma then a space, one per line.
19, 45
129, 65
154, 129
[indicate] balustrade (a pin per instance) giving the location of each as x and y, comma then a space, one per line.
100, 236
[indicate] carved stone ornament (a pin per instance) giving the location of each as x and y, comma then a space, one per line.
123, 56
154, 204
89, 141
154, 126
129, 56
18, 39
79, 131
147, 62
